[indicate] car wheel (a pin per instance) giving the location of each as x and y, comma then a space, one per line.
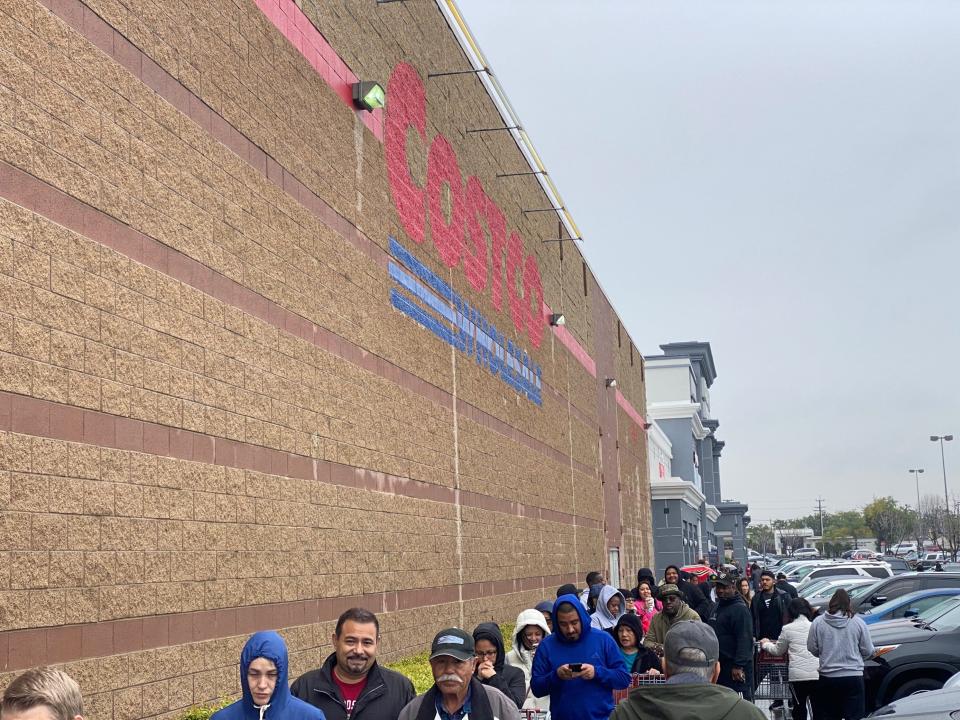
914, 686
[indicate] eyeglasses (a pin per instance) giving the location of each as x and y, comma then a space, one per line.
485, 653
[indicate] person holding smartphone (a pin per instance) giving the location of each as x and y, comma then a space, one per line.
578, 666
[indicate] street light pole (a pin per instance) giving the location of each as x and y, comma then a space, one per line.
916, 473
943, 462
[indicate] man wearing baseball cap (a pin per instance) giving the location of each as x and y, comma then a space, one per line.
674, 610
691, 662
456, 694
733, 626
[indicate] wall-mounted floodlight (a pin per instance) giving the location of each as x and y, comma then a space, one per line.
611, 382
368, 95
557, 319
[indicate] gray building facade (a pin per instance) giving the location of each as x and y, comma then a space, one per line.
691, 519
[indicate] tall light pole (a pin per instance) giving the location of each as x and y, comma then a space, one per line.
943, 462
916, 473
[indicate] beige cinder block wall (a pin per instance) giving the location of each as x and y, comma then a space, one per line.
213, 419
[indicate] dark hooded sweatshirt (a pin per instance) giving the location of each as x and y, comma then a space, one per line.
645, 659
692, 594
578, 699
508, 680
282, 705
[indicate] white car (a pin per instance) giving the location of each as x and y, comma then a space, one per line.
873, 570
805, 552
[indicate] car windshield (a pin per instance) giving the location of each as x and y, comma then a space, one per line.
804, 570
935, 611
859, 592
950, 620
813, 588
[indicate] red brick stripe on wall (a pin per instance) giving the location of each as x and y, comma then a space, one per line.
21, 649
44, 418
297, 28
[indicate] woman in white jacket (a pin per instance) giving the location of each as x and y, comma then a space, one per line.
804, 668
530, 630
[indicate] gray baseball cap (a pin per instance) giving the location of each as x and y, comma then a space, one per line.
691, 634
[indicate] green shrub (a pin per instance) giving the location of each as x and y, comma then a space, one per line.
203, 712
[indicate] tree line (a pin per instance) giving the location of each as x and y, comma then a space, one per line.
884, 519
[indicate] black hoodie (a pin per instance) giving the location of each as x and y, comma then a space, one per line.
698, 602
508, 680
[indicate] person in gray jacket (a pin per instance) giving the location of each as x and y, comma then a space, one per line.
842, 642
455, 691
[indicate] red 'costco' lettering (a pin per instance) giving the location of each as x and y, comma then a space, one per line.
469, 205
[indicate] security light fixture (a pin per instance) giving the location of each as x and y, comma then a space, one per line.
558, 319
368, 95
611, 382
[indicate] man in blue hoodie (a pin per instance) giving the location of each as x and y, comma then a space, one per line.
263, 678
578, 666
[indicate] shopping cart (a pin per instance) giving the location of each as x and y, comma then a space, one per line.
637, 680
771, 673
535, 714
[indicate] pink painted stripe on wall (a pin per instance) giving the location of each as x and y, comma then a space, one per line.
571, 344
297, 28
631, 411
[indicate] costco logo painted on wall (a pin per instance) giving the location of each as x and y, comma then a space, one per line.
458, 235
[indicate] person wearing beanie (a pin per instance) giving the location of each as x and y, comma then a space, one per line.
568, 589
629, 637
546, 608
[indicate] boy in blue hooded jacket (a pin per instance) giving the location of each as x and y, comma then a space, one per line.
587, 693
263, 677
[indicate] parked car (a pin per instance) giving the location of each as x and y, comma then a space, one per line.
930, 559
876, 570
902, 548
899, 585
805, 552
909, 605
942, 704
898, 565
855, 587
911, 659
927, 616
865, 555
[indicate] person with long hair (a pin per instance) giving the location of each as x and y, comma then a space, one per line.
804, 667
746, 592
646, 604
842, 642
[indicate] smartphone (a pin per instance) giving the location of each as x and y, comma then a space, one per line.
576, 667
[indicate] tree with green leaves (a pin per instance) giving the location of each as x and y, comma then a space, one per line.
890, 521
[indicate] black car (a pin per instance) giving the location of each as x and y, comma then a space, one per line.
898, 585
922, 656
898, 565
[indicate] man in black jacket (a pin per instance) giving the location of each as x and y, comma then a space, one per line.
491, 669
351, 685
731, 622
769, 608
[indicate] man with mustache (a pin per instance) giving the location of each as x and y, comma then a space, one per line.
351, 685
456, 694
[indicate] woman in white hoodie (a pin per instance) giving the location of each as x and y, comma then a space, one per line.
804, 668
531, 629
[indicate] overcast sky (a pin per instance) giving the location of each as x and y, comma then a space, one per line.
781, 179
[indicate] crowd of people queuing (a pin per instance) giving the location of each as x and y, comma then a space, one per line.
568, 656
